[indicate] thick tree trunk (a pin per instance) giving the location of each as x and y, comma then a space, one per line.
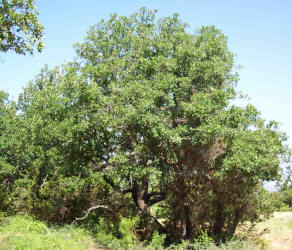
188, 231
183, 219
238, 214
219, 220
140, 194
186, 223
144, 200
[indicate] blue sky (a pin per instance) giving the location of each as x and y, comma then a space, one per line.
259, 33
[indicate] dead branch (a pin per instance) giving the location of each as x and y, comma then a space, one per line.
88, 212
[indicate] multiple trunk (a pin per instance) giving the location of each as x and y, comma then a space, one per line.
182, 221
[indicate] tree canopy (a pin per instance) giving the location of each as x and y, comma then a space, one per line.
20, 29
142, 123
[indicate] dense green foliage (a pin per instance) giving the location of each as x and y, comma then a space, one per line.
140, 129
20, 29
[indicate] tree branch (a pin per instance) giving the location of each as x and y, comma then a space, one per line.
156, 199
156, 193
97, 166
88, 212
115, 187
161, 228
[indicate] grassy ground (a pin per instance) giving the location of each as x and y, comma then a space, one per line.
24, 233
278, 231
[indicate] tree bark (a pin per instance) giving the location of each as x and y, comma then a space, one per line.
219, 219
140, 194
238, 214
183, 217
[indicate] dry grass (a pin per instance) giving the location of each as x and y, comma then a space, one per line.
277, 231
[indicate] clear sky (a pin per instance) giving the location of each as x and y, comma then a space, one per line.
259, 33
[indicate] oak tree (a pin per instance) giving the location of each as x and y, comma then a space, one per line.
146, 113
